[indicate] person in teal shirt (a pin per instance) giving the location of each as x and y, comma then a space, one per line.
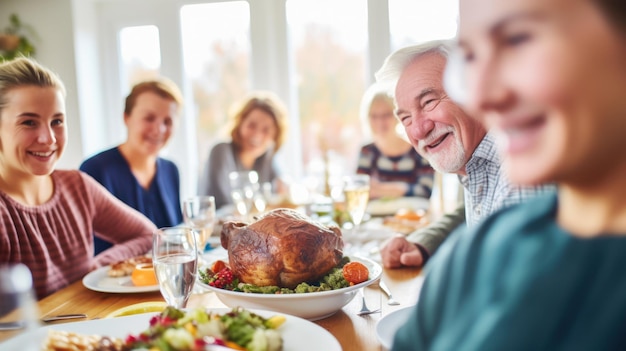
548, 77
133, 171
519, 281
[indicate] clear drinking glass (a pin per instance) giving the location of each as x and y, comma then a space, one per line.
356, 189
175, 258
199, 214
18, 304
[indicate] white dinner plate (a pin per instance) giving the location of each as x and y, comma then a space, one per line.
388, 325
99, 280
298, 334
388, 207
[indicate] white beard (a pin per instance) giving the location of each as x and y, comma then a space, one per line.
451, 160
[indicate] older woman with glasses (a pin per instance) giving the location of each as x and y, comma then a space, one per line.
394, 167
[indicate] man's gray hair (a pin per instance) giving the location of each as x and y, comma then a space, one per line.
395, 63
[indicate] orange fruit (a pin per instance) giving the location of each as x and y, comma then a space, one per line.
143, 275
408, 214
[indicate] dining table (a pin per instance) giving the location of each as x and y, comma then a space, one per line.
353, 332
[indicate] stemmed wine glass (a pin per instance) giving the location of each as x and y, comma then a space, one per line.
199, 214
175, 258
246, 193
356, 189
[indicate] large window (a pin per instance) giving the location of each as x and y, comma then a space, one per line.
315, 54
415, 21
328, 43
140, 55
216, 54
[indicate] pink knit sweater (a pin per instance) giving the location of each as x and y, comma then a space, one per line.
55, 240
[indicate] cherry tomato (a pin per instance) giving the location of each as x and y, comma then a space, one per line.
218, 266
355, 272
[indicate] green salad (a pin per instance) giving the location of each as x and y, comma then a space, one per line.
240, 329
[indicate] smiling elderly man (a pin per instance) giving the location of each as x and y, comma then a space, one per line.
451, 141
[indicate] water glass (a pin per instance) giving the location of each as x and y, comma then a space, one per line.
199, 214
356, 190
18, 304
175, 258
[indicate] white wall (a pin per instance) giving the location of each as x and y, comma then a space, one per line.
53, 22
93, 122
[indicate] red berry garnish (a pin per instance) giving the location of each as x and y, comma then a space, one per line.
222, 279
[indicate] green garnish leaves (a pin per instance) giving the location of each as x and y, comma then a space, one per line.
333, 280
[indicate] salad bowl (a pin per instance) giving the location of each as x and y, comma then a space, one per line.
311, 306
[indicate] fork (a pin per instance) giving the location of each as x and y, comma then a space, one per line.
364, 310
22, 324
385, 289
61, 317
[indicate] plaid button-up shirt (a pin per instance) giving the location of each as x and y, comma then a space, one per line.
487, 188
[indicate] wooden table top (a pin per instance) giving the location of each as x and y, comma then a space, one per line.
352, 331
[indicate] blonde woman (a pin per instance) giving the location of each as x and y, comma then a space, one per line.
48, 216
259, 124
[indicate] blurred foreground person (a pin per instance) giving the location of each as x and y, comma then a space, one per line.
549, 77
48, 216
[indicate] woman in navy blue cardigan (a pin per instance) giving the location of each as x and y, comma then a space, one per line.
133, 171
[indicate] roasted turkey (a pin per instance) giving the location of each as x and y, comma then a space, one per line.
282, 248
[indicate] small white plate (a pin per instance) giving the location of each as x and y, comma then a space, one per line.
99, 280
388, 325
387, 207
298, 334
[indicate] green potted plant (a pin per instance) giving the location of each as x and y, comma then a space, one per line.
14, 40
